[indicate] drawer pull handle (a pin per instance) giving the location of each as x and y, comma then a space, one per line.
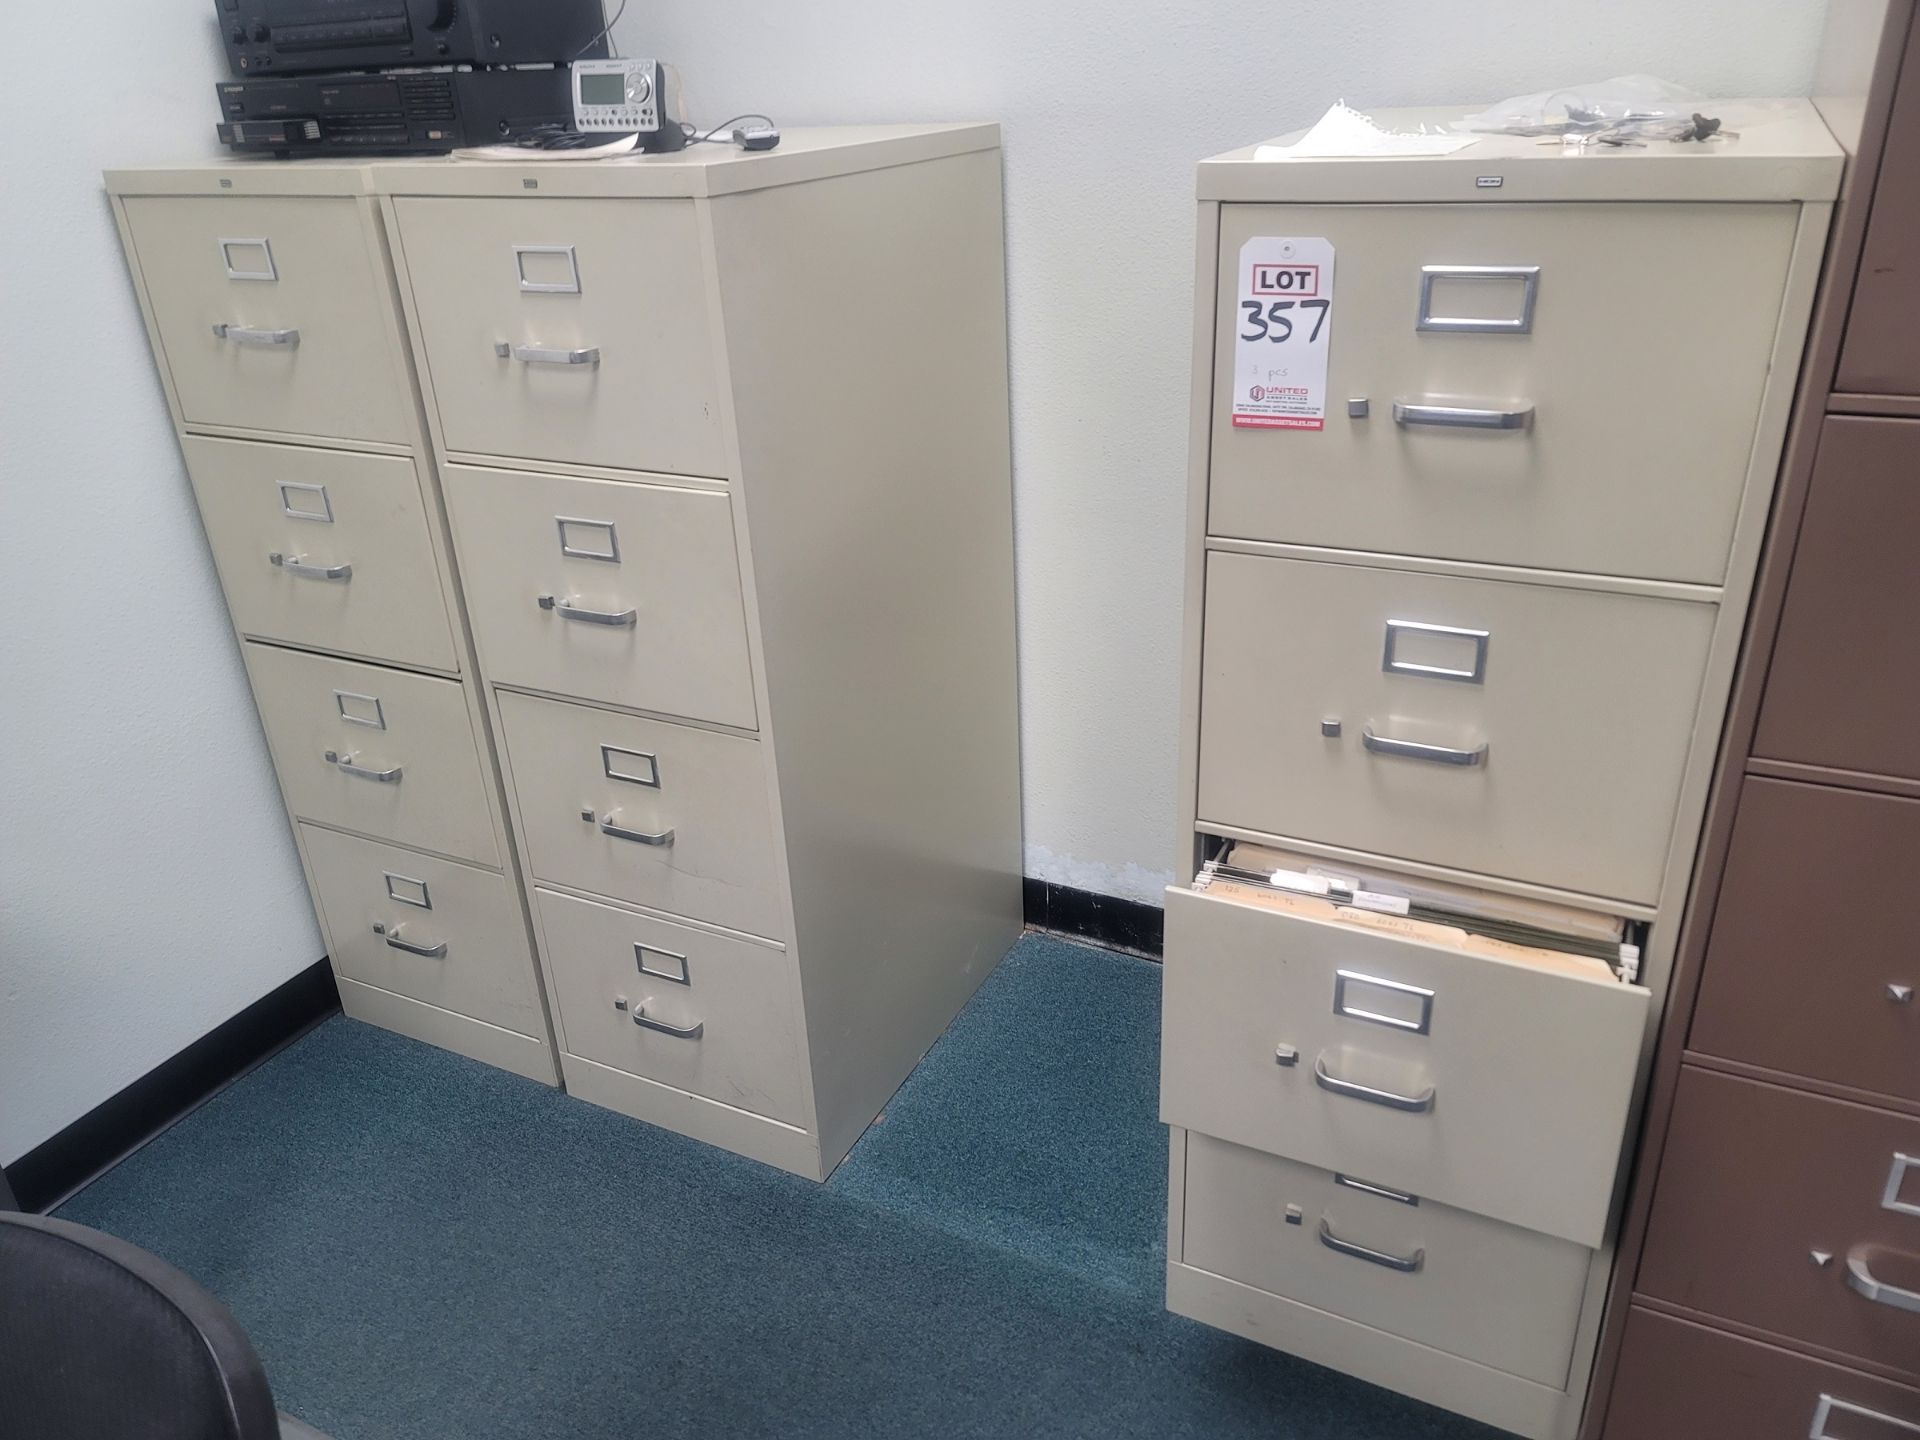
299, 565
1460, 417
344, 763
1415, 750
399, 941
1326, 1080
1368, 1188
546, 355
1860, 1280
1405, 1264
648, 1022
1830, 1407
266, 339
567, 610
611, 826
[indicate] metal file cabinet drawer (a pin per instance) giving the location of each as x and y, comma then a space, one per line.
1399, 1262
1682, 1379
1841, 688
1792, 1213
324, 548
1808, 971
605, 589
1631, 434
432, 930
382, 752
568, 330
1519, 730
1483, 1084
663, 816
271, 314
687, 1008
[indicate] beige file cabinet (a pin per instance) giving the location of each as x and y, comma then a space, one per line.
270, 303
1477, 629
738, 553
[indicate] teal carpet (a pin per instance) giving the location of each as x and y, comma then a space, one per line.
427, 1249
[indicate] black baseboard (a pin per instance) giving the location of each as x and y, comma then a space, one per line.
1104, 919
52, 1171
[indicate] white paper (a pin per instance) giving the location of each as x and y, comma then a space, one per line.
1282, 328
1343, 132
622, 145
1385, 904
1300, 880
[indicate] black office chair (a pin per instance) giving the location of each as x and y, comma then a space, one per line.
101, 1341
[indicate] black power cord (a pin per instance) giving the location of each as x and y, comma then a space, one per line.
764, 137
613, 46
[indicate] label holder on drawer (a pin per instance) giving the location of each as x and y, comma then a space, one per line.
1342, 979
271, 272
1397, 630
1830, 1407
406, 890
320, 508
646, 772
1520, 324
1896, 1182
579, 550
531, 286
662, 964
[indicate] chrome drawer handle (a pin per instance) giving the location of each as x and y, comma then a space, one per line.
1414, 750
399, 942
1829, 1407
647, 1022
299, 565
546, 355
1860, 1280
1417, 1104
344, 763
567, 610
1460, 417
1405, 1264
638, 836
1368, 1188
268, 339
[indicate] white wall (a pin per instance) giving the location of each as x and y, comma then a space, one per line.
148, 888
1106, 107
148, 885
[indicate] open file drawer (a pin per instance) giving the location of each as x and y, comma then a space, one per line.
1487, 1084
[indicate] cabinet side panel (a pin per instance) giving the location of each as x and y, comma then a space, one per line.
865, 325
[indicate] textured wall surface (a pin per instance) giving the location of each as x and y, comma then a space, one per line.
148, 888
148, 885
1106, 107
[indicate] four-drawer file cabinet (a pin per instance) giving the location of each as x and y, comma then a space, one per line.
735, 547
1483, 445
274, 318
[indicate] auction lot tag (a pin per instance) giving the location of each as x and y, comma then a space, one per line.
1282, 328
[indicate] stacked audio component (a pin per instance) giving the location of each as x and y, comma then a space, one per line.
357, 77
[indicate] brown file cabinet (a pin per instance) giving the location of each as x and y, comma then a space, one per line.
1769, 1280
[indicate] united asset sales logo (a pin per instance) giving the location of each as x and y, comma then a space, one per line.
1259, 392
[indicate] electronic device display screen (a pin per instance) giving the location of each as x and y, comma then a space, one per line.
603, 89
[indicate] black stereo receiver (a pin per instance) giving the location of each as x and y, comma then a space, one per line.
398, 112
281, 36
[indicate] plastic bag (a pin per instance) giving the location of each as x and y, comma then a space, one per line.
1625, 108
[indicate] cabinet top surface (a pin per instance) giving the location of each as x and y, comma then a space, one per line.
812, 153
1782, 151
